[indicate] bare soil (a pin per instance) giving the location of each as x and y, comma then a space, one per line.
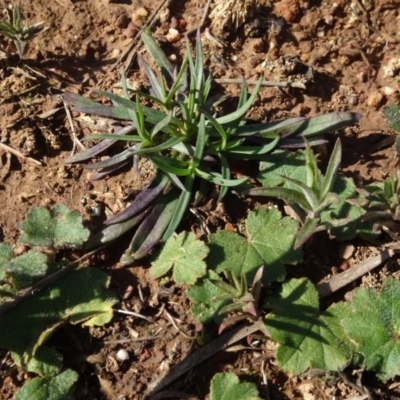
348, 53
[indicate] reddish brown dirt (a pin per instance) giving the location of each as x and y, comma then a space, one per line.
353, 61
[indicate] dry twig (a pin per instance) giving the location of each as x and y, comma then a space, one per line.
76, 141
298, 85
19, 154
356, 271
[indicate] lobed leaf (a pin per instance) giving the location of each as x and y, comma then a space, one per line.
80, 296
57, 227
185, 255
307, 339
269, 242
226, 386
373, 324
58, 387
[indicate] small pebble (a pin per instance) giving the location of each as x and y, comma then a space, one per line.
131, 30
115, 53
374, 98
173, 35
388, 91
122, 355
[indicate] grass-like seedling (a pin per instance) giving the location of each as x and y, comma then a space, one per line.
308, 199
17, 30
185, 140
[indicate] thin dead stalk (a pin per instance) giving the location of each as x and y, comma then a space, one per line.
19, 154
297, 85
76, 141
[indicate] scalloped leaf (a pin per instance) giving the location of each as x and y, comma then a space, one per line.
307, 339
59, 387
280, 164
185, 255
374, 324
80, 296
58, 227
269, 242
226, 386
206, 298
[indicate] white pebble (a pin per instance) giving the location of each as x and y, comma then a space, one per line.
122, 355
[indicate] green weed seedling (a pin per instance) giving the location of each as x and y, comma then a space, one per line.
319, 201
78, 297
361, 333
190, 146
17, 30
228, 387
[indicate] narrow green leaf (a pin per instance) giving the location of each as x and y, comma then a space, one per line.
158, 56
313, 174
168, 144
269, 130
253, 152
155, 85
151, 230
307, 192
170, 165
225, 174
286, 194
113, 231
306, 231
122, 111
219, 128
200, 142
239, 113
199, 69
181, 207
332, 169
160, 126
114, 160
217, 178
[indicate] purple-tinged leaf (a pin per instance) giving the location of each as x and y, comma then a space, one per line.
98, 148
142, 200
151, 230
114, 160
107, 171
112, 232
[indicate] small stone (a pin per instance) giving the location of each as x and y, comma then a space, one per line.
374, 99
139, 16
392, 68
164, 15
115, 53
131, 30
388, 91
346, 251
288, 9
173, 35
122, 355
